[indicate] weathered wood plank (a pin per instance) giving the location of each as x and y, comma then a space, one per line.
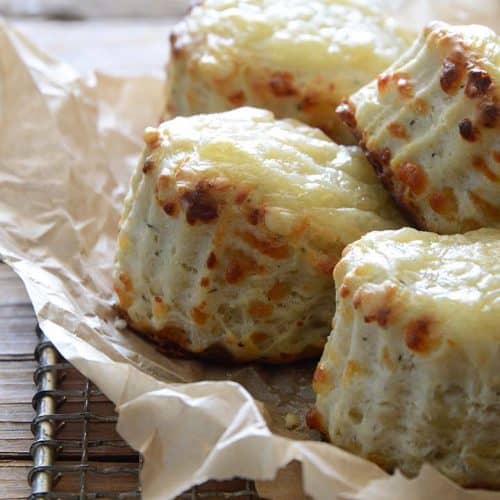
14, 473
16, 437
12, 290
17, 331
13, 479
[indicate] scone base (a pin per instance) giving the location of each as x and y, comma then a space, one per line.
167, 342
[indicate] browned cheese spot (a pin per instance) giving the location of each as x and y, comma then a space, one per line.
174, 334
444, 202
124, 290
376, 305
385, 156
489, 114
199, 316
159, 307
171, 208
452, 72
357, 300
256, 215
400, 79
403, 84
201, 206
259, 337
237, 98
281, 84
127, 282
469, 225
240, 197
381, 316
379, 159
211, 260
310, 101
479, 164
413, 176
419, 336
397, 130
387, 360
314, 420
383, 81
217, 184
344, 291
149, 164
258, 309
324, 262
487, 208
240, 266
204, 282
278, 291
467, 130
352, 369
272, 247
347, 113
321, 380
162, 185
478, 83
420, 106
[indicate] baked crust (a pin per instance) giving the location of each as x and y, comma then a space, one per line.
232, 228
409, 374
297, 59
430, 127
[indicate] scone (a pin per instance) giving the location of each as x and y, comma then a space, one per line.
410, 373
295, 58
430, 126
231, 230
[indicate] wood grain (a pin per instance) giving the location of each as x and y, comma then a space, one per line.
17, 365
13, 474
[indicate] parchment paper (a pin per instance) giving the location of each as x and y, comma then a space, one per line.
67, 148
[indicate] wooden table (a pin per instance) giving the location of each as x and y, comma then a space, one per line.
17, 365
17, 343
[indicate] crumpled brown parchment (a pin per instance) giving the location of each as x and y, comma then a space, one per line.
67, 148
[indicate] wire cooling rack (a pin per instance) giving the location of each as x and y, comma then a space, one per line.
74, 457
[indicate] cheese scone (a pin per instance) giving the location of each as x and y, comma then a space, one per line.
430, 126
231, 229
295, 58
410, 373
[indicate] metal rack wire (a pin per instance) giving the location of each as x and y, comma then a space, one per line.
57, 458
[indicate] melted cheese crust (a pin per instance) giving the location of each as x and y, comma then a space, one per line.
231, 230
296, 58
430, 125
410, 372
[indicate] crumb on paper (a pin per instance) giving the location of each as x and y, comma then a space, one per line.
120, 324
151, 136
292, 421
